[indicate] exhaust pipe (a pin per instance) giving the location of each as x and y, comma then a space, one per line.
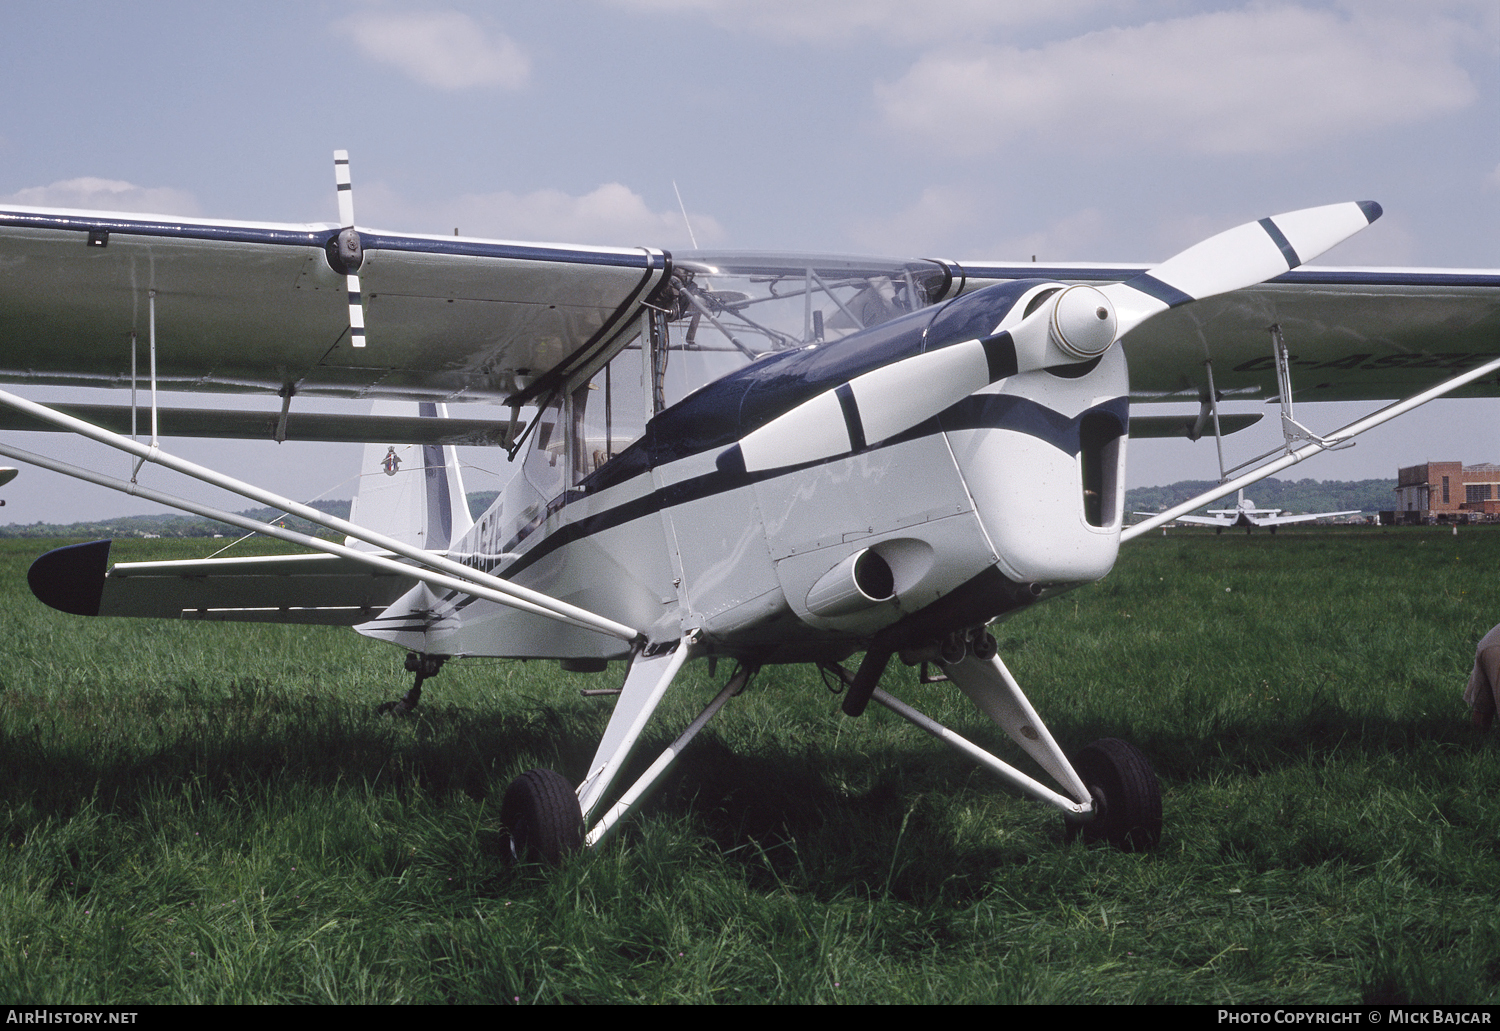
860, 581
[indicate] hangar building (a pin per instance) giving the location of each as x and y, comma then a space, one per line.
1447, 492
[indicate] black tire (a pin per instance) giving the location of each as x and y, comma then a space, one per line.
542, 818
1126, 795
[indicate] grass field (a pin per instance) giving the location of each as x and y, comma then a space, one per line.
211, 813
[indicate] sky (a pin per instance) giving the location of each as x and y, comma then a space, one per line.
989, 130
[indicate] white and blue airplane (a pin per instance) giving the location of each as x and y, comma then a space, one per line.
763, 458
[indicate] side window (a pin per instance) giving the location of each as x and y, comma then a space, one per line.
608, 413
546, 462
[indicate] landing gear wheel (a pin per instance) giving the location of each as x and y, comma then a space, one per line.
953, 648
1126, 794
542, 818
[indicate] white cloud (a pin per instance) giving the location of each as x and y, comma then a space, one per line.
928, 227
898, 21
1391, 241
952, 222
1078, 236
444, 49
1264, 79
611, 215
97, 194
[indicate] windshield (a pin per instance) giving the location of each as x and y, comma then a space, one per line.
730, 309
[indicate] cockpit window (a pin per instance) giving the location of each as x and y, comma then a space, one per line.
609, 412
729, 310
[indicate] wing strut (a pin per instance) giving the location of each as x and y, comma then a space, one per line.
494, 588
990, 686
1291, 429
1292, 457
651, 672
151, 308
1213, 403
637, 792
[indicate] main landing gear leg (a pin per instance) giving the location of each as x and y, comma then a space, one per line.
1112, 775
425, 667
544, 825
1112, 792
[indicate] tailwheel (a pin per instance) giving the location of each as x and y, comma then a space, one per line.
1127, 796
542, 818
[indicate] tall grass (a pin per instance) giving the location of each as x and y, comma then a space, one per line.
210, 813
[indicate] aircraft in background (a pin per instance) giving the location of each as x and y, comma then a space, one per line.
759, 458
1245, 514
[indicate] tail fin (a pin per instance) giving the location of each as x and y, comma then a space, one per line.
411, 492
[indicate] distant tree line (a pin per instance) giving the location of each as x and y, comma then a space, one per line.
168, 524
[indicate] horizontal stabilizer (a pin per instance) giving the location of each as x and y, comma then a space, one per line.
240, 425
1282, 520
318, 589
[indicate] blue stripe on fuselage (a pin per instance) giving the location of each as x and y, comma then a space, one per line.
721, 413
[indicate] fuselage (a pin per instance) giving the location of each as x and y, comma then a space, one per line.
1012, 493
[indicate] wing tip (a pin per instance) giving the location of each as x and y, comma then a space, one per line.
1371, 209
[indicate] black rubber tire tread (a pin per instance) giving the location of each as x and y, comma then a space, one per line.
542, 817
1120, 776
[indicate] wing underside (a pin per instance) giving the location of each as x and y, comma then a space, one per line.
260, 307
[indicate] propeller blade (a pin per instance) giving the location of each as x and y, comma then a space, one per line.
1240, 257
1075, 324
345, 187
350, 250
